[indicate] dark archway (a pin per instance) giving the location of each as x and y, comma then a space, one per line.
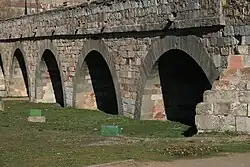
95, 88
48, 80
183, 83
19, 86
174, 87
173, 76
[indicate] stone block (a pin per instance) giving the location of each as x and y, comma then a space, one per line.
226, 41
238, 109
221, 108
156, 97
227, 123
248, 85
245, 74
228, 30
217, 60
247, 61
242, 49
220, 85
222, 96
204, 108
244, 96
224, 51
235, 62
37, 119
246, 40
243, 124
228, 85
248, 110
231, 75
207, 122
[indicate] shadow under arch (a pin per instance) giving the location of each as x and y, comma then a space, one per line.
95, 82
170, 77
19, 81
48, 81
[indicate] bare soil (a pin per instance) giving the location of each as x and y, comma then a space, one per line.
231, 160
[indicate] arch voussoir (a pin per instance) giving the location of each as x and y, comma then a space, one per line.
48, 47
99, 47
22, 89
188, 44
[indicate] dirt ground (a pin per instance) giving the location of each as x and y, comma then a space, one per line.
231, 160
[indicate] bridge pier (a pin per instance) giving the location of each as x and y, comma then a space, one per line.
226, 106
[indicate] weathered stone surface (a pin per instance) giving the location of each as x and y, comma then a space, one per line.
248, 110
37, 119
207, 122
248, 85
242, 49
212, 96
235, 62
245, 74
243, 124
232, 76
244, 96
217, 60
228, 85
204, 108
221, 108
91, 18
227, 123
238, 109
247, 61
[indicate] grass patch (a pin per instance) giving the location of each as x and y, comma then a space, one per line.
71, 137
86, 122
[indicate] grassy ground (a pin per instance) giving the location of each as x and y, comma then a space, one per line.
71, 137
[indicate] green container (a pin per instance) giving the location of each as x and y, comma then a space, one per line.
35, 112
110, 130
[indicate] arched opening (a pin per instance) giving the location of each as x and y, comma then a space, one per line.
94, 85
48, 80
174, 87
2, 78
18, 76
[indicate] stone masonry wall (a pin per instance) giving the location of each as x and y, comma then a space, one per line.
128, 30
226, 106
115, 16
127, 60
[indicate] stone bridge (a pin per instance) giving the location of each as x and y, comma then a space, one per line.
179, 60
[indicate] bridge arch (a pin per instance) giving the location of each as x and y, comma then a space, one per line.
19, 81
166, 89
96, 79
49, 82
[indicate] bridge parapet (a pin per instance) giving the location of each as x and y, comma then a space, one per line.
115, 16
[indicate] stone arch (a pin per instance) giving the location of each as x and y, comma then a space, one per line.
188, 45
49, 82
19, 81
106, 68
